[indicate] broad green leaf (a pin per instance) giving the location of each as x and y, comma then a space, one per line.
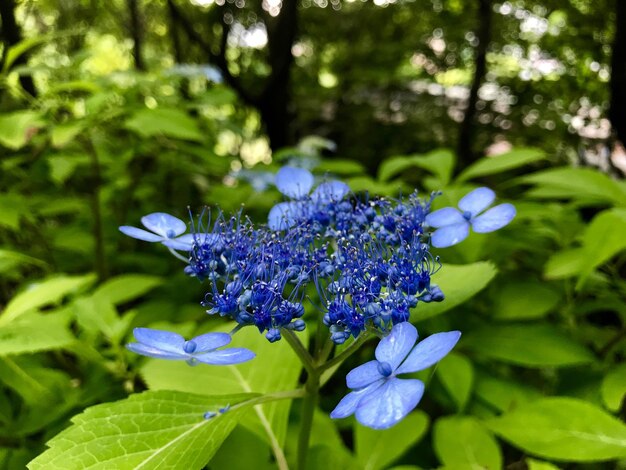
565, 429
64, 134
15, 51
584, 185
439, 162
340, 167
366, 184
456, 374
501, 163
540, 465
614, 388
524, 299
164, 121
377, 449
16, 128
9, 260
150, 430
503, 394
458, 283
126, 287
47, 292
257, 453
564, 264
464, 443
603, 239
527, 345
63, 166
35, 332
275, 368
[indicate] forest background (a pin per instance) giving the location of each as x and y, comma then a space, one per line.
110, 110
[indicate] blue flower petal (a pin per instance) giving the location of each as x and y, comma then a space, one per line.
159, 339
394, 347
350, 402
140, 234
330, 191
294, 182
443, 217
477, 200
363, 375
182, 243
153, 352
390, 403
211, 341
494, 219
450, 235
225, 356
284, 215
165, 225
429, 351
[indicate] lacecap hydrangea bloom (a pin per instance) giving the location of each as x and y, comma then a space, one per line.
369, 260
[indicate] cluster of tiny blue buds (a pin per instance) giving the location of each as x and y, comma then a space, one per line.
369, 261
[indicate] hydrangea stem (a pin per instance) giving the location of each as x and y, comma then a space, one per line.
306, 419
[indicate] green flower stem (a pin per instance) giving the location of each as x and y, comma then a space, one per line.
306, 420
346, 353
300, 350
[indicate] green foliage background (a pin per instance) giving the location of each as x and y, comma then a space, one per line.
537, 380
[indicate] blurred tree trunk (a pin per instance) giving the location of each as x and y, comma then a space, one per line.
273, 100
466, 131
617, 112
136, 33
12, 35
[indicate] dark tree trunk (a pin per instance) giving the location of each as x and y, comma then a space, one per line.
12, 35
275, 98
466, 131
617, 112
136, 32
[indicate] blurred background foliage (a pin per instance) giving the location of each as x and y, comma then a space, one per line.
111, 110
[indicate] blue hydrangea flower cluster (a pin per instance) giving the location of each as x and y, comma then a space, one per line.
369, 260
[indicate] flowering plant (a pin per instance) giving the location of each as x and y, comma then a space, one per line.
364, 263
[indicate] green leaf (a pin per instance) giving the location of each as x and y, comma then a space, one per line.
63, 167
603, 239
507, 161
340, 167
463, 442
584, 185
564, 264
47, 292
16, 128
169, 122
10, 260
15, 51
124, 288
614, 388
565, 429
527, 345
378, 449
457, 376
149, 430
64, 134
524, 299
540, 465
458, 283
35, 332
366, 184
503, 394
439, 162
254, 376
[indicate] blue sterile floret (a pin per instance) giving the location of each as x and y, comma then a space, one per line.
164, 228
204, 348
379, 398
453, 224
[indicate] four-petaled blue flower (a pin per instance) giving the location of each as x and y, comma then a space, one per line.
379, 398
166, 228
296, 183
203, 348
453, 224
